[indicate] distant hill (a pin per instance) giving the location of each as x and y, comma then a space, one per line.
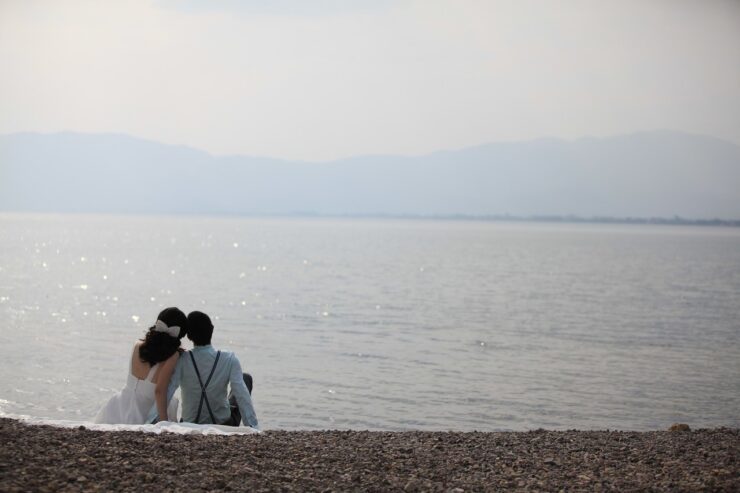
650, 174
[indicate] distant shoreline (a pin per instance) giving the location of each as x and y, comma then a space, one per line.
504, 218
570, 219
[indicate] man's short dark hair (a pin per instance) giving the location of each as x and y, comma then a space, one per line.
200, 328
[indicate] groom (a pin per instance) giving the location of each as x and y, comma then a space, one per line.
203, 375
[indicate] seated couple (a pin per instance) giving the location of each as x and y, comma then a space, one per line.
158, 366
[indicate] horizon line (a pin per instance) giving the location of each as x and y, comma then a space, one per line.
676, 220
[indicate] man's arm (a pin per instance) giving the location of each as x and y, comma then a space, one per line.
243, 399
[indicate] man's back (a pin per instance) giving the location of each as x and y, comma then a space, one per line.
227, 372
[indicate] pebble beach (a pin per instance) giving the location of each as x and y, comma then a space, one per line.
45, 458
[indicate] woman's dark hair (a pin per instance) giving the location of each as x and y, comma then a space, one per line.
159, 346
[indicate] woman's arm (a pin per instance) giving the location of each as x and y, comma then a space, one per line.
163, 382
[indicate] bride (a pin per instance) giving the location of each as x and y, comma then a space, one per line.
152, 362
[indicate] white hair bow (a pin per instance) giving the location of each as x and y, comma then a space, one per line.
160, 326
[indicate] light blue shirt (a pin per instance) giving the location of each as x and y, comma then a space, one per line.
228, 372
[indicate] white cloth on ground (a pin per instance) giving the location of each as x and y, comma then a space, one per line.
162, 426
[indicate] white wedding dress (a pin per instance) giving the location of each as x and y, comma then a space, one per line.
133, 404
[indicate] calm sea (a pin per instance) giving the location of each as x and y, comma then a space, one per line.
386, 324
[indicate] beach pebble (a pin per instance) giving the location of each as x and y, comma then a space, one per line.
679, 427
44, 458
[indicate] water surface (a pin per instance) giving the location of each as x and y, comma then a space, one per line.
375, 324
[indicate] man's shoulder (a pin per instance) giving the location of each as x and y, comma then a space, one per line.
227, 355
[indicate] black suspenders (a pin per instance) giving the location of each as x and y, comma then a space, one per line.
203, 396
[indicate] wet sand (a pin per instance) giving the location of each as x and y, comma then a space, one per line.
43, 458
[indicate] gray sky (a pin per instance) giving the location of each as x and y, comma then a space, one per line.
340, 78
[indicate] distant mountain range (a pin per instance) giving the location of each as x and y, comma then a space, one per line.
649, 174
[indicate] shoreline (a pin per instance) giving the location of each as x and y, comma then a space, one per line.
45, 458
478, 218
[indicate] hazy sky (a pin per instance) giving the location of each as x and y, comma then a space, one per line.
327, 79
